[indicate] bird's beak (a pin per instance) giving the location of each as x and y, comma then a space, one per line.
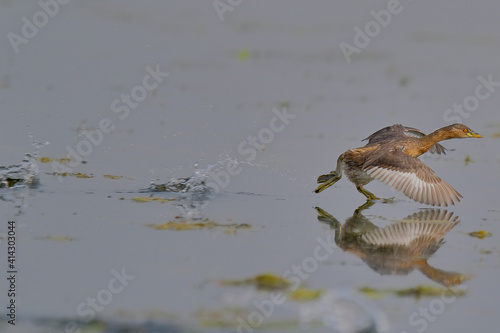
474, 135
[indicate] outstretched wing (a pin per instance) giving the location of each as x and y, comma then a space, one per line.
412, 177
399, 131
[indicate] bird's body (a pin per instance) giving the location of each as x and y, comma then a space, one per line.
391, 156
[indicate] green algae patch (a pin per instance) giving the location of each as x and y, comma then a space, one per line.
181, 225
151, 199
304, 294
480, 234
416, 292
266, 281
59, 239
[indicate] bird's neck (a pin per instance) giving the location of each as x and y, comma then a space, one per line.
426, 142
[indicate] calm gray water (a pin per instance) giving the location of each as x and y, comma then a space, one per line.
257, 101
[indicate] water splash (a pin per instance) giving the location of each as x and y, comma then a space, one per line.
197, 183
203, 181
17, 180
201, 187
345, 312
195, 191
20, 175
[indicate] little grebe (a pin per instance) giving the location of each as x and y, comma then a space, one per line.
390, 156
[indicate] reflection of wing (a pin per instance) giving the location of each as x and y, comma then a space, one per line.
400, 131
431, 215
416, 231
412, 177
416, 234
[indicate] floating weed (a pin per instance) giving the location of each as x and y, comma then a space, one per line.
243, 54
270, 281
467, 160
416, 292
151, 199
59, 239
64, 160
372, 293
72, 174
83, 175
480, 234
180, 225
304, 294
266, 281
112, 177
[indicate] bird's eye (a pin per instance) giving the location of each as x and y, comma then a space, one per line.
465, 130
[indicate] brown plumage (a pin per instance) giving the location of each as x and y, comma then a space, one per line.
390, 156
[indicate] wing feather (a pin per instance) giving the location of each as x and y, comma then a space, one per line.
412, 177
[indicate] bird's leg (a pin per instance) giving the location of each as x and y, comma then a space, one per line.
364, 206
366, 193
329, 179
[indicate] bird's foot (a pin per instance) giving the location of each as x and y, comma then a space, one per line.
369, 195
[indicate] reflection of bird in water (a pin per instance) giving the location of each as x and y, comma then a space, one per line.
390, 156
399, 248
